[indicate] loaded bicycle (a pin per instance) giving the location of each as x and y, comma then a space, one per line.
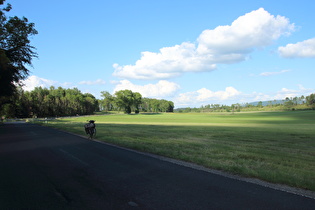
90, 129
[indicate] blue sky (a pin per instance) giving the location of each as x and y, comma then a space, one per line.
192, 52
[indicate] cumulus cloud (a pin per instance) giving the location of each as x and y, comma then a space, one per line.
278, 95
285, 92
33, 81
304, 49
266, 74
252, 30
222, 45
96, 82
161, 89
168, 63
208, 96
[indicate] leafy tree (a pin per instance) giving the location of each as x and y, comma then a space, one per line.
302, 98
166, 106
145, 105
295, 100
288, 103
126, 100
137, 99
107, 102
260, 104
90, 103
156, 105
43, 102
15, 51
310, 100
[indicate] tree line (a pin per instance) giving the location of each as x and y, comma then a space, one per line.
52, 102
128, 101
292, 103
59, 102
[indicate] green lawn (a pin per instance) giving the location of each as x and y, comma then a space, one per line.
277, 147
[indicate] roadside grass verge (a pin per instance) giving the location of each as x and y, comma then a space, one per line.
278, 147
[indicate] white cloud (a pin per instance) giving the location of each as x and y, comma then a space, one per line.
222, 45
304, 49
33, 81
252, 30
253, 97
205, 95
66, 84
285, 92
169, 62
161, 89
96, 82
266, 74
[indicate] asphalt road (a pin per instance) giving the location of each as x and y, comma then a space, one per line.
42, 168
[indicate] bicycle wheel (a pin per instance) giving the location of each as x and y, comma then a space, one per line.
92, 133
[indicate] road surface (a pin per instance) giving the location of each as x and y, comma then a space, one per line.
43, 168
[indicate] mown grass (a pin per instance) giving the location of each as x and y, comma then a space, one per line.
278, 147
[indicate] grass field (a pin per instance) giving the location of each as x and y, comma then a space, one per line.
278, 147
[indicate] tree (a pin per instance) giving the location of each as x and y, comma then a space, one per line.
310, 100
137, 99
288, 103
260, 104
166, 106
15, 51
43, 102
302, 98
107, 102
126, 100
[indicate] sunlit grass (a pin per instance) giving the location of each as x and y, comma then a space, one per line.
274, 146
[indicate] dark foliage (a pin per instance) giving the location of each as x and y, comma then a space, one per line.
16, 53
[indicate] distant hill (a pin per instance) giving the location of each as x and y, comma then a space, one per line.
255, 103
273, 102
266, 103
